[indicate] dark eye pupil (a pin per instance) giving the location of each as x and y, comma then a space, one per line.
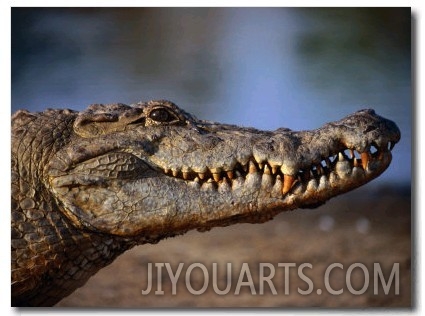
161, 115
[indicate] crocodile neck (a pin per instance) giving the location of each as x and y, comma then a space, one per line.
65, 256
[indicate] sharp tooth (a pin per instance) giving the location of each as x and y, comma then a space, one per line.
166, 170
392, 145
351, 153
230, 174
355, 162
216, 172
245, 168
201, 175
175, 173
185, 175
341, 156
275, 169
252, 167
288, 181
210, 180
260, 165
266, 169
365, 159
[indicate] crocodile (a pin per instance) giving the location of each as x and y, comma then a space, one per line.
89, 185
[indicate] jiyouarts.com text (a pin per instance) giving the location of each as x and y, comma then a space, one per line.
274, 278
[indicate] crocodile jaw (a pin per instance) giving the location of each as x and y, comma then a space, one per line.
161, 181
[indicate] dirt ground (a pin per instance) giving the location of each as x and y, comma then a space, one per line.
370, 225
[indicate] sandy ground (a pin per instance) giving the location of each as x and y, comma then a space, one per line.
356, 230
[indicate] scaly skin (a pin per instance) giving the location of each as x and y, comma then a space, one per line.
87, 186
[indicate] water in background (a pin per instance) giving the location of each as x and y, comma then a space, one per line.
260, 67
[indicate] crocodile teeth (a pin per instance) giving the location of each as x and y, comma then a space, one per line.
229, 174
252, 167
267, 169
280, 179
185, 175
288, 181
365, 159
216, 177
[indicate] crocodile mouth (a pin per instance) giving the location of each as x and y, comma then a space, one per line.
339, 168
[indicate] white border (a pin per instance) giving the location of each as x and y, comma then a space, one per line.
5, 27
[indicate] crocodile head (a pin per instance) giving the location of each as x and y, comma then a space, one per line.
151, 170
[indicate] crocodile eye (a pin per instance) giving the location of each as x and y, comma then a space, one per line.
162, 115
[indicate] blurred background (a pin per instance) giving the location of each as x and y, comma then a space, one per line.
260, 67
